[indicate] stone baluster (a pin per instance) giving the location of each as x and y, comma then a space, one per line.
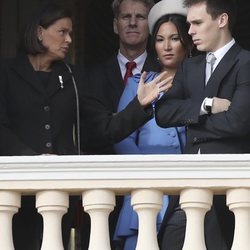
147, 203
98, 204
10, 202
195, 203
52, 205
238, 201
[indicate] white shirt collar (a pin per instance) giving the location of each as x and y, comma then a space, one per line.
222, 51
140, 60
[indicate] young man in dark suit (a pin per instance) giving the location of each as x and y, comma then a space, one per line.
211, 98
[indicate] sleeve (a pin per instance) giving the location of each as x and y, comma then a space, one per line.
102, 127
128, 145
236, 121
176, 108
10, 143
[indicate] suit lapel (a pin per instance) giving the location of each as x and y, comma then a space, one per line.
196, 71
222, 69
114, 76
24, 68
114, 72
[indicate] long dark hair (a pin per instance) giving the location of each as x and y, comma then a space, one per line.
182, 28
45, 16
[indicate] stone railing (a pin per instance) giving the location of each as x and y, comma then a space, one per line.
147, 177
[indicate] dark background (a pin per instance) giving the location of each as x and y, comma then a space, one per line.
94, 39
101, 41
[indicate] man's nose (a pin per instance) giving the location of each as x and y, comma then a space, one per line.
132, 20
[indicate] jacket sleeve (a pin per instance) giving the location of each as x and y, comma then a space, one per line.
236, 121
102, 127
10, 143
176, 107
128, 145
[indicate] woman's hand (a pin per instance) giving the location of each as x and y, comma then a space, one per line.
149, 92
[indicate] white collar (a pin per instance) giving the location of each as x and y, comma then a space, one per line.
139, 60
222, 51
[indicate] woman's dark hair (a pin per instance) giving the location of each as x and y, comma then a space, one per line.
182, 28
46, 15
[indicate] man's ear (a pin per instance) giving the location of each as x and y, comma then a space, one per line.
115, 26
223, 20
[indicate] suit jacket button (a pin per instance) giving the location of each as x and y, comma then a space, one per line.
47, 126
46, 108
172, 133
195, 139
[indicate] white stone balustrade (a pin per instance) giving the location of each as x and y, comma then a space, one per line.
195, 203
9, 204
147, 177
52, 205
98, 204
147, 203
238, 201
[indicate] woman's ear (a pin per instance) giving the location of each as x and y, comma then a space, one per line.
40, 33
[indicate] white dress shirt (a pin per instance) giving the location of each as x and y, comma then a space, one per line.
219, 54
140, 60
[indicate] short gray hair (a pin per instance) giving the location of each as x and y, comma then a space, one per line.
116, 5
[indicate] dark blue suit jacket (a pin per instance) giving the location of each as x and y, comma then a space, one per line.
225, 132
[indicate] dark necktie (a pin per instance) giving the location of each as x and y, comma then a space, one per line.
210, 63
129, 72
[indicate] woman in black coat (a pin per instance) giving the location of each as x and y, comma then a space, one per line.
42, 101
39, 107
38, 99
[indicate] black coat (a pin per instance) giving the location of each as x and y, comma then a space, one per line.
35, 119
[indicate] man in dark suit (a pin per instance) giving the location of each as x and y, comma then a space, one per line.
106, 83
211, 98
106, 80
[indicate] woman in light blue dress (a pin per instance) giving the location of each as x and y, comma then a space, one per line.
171, 44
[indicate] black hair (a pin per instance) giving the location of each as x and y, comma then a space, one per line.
45, 16
182, 28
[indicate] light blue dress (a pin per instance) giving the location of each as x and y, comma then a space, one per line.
149, 139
